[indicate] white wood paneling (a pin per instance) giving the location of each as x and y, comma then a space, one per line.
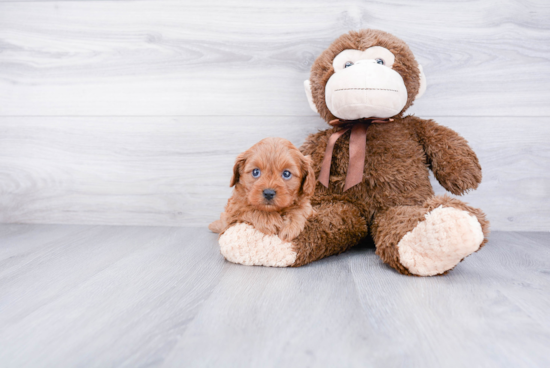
488, 58
131, 112
175, 171
106, 296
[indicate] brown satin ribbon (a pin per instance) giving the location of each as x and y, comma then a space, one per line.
357, 149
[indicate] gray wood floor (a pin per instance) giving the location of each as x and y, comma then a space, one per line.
99, 296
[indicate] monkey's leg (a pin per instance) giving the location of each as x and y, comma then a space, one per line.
430, 239
334, 228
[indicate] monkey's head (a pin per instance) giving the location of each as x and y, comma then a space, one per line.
365, 74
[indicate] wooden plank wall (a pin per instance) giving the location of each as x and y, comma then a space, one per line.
131, 113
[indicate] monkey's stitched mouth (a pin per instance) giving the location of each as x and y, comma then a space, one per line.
365, 89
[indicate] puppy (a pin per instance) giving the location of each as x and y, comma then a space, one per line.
273, 183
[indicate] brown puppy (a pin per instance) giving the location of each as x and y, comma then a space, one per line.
273, 184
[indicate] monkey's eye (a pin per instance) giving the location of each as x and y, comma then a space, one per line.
287, 175
348, 64
256, 173
380, 61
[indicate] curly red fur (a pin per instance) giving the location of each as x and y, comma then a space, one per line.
286, 213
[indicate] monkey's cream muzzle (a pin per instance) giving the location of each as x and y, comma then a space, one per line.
364, 90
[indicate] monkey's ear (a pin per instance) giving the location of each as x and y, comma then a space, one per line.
423, 83
239, 162
309, 95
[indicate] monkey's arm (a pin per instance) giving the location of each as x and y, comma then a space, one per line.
453, 162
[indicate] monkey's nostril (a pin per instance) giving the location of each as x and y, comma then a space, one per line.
269, 194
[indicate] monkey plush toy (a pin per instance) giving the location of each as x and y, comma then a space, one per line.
373, 169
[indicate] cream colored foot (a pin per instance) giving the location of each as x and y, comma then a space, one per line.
243, 244
440, 242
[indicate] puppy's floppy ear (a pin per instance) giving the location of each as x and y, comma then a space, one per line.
308, 180
239, 163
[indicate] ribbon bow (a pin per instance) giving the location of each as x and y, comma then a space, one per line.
357, 149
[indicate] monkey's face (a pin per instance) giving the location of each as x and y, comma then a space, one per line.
364, 85
365, 74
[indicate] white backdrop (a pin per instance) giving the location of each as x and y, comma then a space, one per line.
131, 113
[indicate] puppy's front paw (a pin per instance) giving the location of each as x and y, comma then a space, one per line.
216, 226
243, 244
268, 228
290, 231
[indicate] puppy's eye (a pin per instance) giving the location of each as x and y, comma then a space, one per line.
380, 61
287, 175
256, 173
348, 64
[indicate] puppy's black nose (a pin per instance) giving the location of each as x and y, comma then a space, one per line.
269, 194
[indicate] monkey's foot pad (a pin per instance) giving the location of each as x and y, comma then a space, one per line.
440, 242
243, 244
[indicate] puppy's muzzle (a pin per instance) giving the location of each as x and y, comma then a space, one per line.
269, 194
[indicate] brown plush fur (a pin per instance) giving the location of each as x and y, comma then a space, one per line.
395, 193
405, 64
285, 214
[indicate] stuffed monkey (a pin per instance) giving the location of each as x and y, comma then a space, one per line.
373, 168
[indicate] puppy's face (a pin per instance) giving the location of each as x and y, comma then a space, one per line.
273, 174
